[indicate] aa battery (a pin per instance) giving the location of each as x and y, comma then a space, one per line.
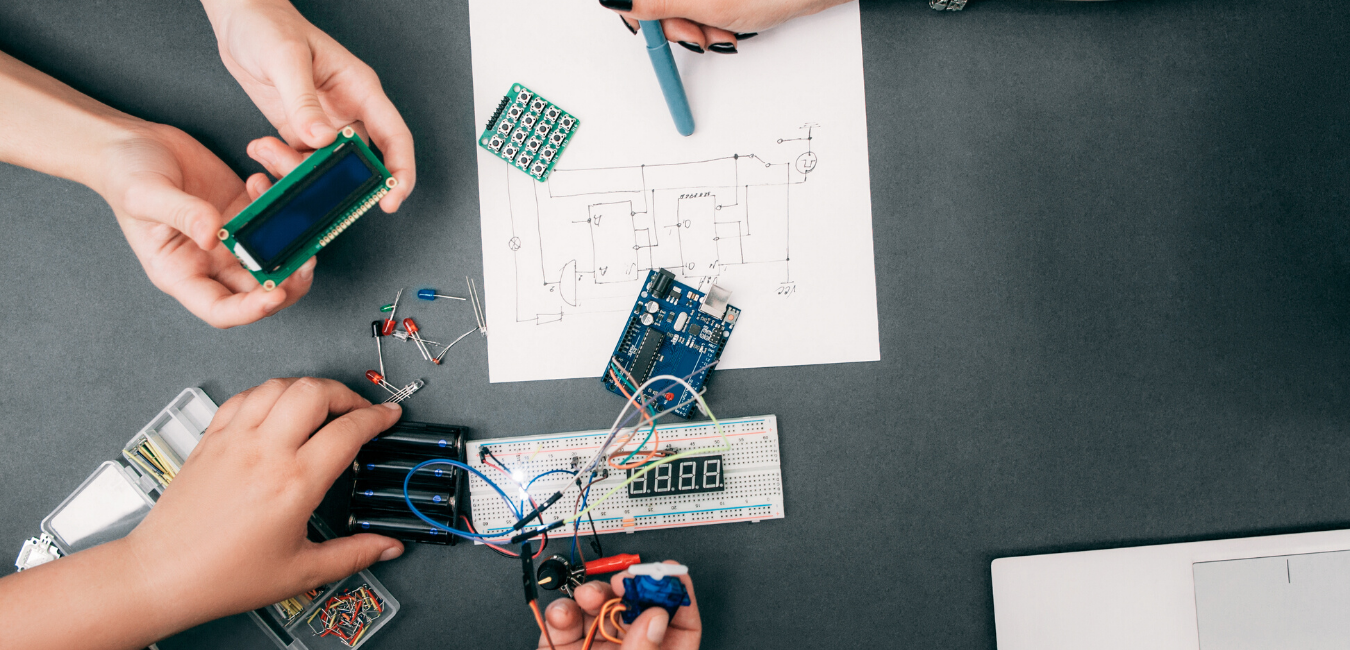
421, 439
371, 496
394, 470
407, 528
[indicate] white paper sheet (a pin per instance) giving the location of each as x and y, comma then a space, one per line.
770, 197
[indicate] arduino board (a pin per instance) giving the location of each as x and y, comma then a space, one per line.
743, 483
529, 132
673, 329
308, 208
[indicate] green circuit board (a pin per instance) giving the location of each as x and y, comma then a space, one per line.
308, 208
529, 132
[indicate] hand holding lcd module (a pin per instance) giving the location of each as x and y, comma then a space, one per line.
307, 209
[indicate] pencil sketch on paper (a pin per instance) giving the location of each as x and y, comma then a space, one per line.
583, 240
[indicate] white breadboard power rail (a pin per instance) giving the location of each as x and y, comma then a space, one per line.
751, 475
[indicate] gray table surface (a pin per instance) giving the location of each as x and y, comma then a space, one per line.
1113, 269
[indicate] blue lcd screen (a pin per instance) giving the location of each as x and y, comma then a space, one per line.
309, 206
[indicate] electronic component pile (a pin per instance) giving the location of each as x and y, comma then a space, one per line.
412, 333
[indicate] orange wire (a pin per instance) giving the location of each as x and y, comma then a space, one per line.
656, 435
539, 618
613, 619
590, 635
598, 623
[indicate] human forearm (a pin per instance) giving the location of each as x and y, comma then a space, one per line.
53, 128
169, 193
101, 598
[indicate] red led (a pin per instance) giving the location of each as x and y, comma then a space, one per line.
389, 325
374, 377
409, 325
670, 396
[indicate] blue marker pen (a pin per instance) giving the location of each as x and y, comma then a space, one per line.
658, 48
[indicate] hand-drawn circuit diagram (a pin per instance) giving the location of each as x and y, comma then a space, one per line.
584, 240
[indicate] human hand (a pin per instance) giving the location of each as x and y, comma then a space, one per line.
170, 195
569, 620
716, 25
308, 85
228, 535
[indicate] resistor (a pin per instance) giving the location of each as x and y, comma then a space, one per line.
440, 356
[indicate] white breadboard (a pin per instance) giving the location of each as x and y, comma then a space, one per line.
754, 483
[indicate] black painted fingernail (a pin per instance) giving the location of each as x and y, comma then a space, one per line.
621, 5
629, 27
692, 47
741, 37
723, 48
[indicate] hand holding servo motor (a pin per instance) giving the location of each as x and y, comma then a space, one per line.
227, 536
576, 624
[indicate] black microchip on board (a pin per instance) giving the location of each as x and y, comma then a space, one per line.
646, 356
694, 329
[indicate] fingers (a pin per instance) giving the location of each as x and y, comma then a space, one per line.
299, 283
333, 447
691, 36
292, 73
720, 41
338, 558
591, 596
222, 307
631, 25
737, 19
256, 185
564, 620
154, 197
277, 157
686, 34
305, 406
258, 402
648, 631
226, 412
391, 135
656, 9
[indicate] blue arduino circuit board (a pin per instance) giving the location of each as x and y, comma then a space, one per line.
673, 329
